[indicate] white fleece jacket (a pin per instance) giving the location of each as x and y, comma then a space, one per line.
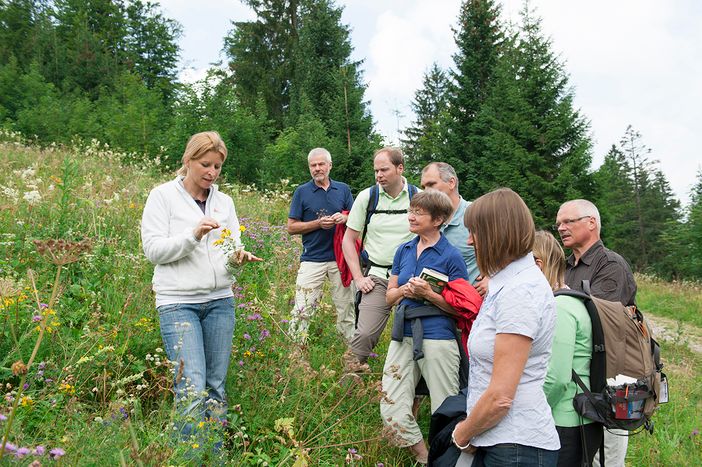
186, 267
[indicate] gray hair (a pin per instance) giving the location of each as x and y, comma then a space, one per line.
317, 152
446, 171
585, 208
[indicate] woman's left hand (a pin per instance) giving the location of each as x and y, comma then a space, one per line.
242, 256
420, 287
459, 440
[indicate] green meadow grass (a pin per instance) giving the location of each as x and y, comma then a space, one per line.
100, 387
676, 300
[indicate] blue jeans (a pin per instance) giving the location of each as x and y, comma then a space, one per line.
198, 340
517, 455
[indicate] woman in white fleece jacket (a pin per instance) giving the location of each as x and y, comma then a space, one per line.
182, 218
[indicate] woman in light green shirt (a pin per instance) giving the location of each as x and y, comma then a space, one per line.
572, 350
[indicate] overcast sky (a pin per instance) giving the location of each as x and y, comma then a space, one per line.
630, 62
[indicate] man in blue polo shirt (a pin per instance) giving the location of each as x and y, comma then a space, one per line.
317, 208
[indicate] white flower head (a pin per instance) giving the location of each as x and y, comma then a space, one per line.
32, 197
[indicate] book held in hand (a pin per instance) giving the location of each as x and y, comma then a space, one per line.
436, 280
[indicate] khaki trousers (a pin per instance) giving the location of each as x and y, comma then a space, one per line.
400, 376
308, 294
615, 446
373, 315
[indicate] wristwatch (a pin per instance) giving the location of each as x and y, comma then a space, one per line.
453, 439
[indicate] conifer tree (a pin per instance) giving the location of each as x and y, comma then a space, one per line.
327, 87
479, 39
424, 139
682, 240
261, 56
533, 139
636, 203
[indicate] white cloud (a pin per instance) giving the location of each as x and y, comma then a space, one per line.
402, 46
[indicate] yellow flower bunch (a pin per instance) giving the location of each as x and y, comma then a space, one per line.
26, 401
145, 324
8, 302
67, 388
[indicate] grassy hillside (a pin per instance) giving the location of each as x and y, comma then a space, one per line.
98, 387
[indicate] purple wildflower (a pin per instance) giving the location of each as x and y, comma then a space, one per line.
246, 336
9, 447
695, 432
25, 387
284, 321
241, 363
379, 464
2, 418
39, 451
264, 334
36, 318
124, 413
254, 317
43, 306
21, 452
56, 453
352, 451
372, 355
42, 365
48, 380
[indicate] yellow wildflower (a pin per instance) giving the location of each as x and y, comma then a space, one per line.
26, 401
242, 228
195, 445
67, 388
226, 233
219, 242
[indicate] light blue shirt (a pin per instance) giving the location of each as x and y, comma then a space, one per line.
457, 235
519, 301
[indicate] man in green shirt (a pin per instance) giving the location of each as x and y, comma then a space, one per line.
385, 232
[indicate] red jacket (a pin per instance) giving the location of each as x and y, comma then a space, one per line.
339, 232
463, 297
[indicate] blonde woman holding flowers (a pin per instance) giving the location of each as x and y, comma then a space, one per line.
182, 220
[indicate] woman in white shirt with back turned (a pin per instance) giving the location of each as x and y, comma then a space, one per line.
509, 421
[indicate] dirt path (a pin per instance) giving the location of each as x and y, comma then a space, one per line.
670, 330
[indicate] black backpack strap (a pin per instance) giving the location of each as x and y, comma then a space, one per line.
370, 210
598, 364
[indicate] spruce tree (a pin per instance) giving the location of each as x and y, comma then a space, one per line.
261, 56
533, 139
423, 141
327, 87
614, 195
479, 39
636, 204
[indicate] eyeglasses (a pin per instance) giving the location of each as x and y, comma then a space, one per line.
416, 212
568, 222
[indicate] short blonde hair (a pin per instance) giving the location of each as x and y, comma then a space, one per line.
502, 228
200, 144
549, 251
436, 203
